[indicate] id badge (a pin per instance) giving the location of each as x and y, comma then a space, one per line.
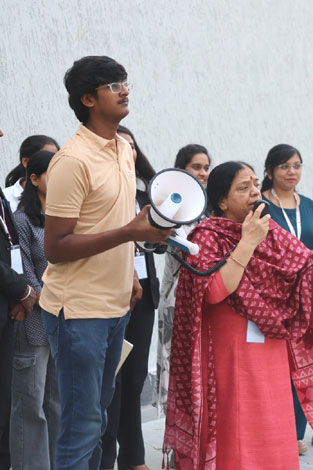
254, 335
140, 266
16, 259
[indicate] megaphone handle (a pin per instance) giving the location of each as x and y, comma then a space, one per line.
154, 224
147, 247
183, 244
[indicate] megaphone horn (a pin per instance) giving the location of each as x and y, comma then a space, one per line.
177, 198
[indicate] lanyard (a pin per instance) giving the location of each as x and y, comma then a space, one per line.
4, 224
298, 217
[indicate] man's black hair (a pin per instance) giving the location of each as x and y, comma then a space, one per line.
85, 76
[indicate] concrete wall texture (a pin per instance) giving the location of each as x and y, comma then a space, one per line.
233, 76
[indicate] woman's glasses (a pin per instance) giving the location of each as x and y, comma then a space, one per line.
286, 166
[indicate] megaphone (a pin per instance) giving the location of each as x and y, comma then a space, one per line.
177, 198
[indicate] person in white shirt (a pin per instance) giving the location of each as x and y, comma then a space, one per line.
14, 182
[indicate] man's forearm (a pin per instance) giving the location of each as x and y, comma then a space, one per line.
62, 244
75, 246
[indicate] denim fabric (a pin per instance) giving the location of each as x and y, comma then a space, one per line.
35, 412
86, 354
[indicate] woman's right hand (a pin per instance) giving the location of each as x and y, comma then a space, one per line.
254, 228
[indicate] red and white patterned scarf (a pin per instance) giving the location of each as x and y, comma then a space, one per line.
275, 292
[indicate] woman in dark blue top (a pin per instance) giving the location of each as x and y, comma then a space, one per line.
293, 212
306, 214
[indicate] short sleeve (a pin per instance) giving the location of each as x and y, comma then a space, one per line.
67, 187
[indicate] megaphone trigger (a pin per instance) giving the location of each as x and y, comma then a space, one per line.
183, 244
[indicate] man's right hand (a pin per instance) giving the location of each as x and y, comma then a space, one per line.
141, 230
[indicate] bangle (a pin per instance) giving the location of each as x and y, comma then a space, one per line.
27, 295
238, 262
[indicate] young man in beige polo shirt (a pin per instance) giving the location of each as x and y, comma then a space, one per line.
89, 284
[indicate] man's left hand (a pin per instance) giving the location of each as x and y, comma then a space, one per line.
136, 293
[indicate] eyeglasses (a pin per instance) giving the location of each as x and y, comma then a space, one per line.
286, 166
116, 87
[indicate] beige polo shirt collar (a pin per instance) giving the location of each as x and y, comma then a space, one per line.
96, 140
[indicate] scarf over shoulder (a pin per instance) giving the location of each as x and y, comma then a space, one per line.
275, 292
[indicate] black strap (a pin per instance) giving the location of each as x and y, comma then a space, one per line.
195, 271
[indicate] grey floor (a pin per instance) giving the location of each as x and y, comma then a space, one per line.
153, 430
153, 436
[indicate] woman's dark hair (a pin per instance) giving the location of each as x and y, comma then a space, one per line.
219, 183
29, 146
85, 76
143, 167
277, 155
186, 153
30, 202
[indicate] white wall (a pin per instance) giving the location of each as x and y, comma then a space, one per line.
234, 76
